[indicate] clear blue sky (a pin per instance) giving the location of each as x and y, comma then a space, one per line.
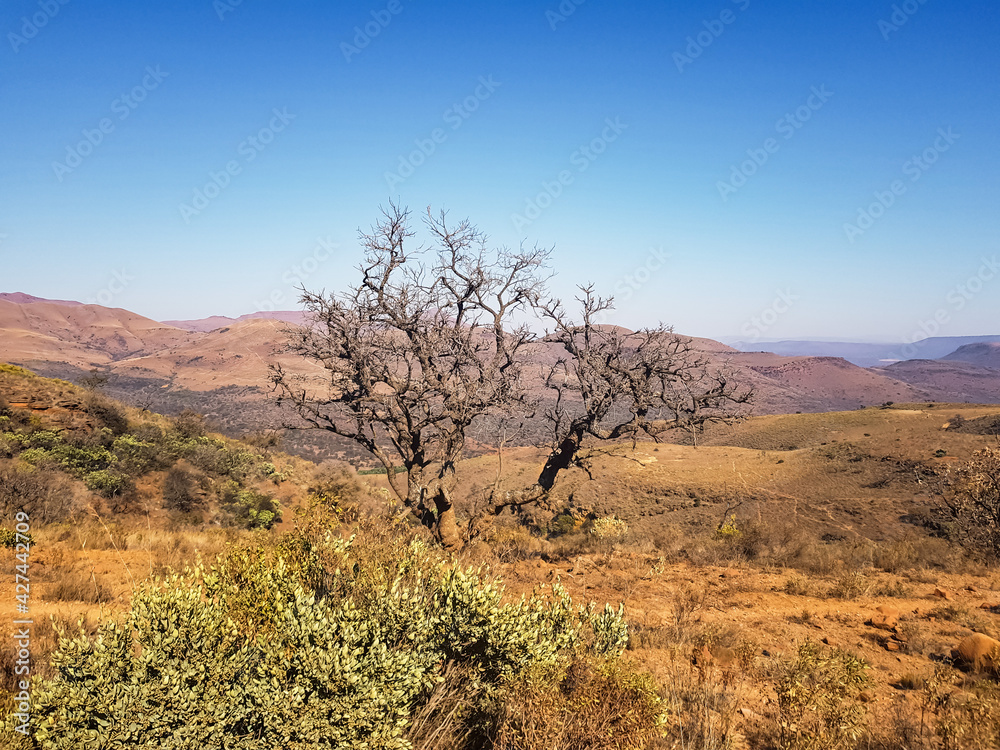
650, 211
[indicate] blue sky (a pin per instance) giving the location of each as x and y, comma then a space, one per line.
734, 168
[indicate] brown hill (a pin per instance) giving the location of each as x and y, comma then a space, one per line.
26, 299
786, 384
238, 355
214, 322
949, 380
81, 335
982, 354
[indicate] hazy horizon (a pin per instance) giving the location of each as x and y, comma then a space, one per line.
738, 170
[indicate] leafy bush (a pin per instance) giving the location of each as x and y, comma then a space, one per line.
80, 461
818, 700
46, 439
215, 457
8, 538
562, 524
728, 529
609, 529
248, 508
134, 455
346, 670
109, 483
10, 443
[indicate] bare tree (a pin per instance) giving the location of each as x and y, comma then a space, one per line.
611, 384
973, 502
416, 352
425, 351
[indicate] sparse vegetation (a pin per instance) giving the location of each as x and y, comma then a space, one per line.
719, 613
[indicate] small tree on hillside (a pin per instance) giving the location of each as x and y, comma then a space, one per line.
974, 502
424, 345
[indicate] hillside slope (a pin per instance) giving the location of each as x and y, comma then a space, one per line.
983, 354
81, 335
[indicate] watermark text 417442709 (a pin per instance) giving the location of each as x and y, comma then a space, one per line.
22, 625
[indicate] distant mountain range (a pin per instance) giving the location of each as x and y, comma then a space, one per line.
867, 354
204, 325
26, 299
219, 365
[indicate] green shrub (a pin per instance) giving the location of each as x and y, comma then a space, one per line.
215, 457
609, 529
80, 461
46, 439
728, 529
347, 670
247, 508
818, 699
15, 370
11, 444
109, 483
135, 455
36, 456
562, 524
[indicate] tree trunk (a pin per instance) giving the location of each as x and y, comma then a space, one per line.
559, 459
446, 528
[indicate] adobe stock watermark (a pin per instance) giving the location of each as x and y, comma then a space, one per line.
632, 282
901, 14
562, 13
224, 7
363, 36
637, 278
786, 127
31, 25
122, 106
763, 321
956, 300
455, 116
914, 168
713, 29
582, 158
249, 149
117, 284
297, 274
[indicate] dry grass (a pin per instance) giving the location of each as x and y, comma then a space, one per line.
78, 586
590, 706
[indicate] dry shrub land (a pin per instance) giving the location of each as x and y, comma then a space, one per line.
800, 581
